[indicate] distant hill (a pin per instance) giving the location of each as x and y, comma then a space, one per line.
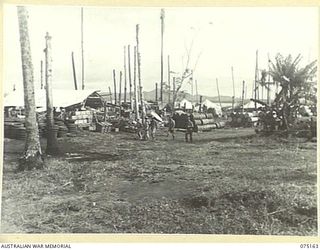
151, 96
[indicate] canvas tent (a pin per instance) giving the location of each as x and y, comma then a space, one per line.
251, 105
210, 104
184, 103
61, 98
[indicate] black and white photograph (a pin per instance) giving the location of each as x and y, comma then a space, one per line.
159, 120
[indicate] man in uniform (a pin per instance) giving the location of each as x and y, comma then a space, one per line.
153, 128
189, 129
171, 126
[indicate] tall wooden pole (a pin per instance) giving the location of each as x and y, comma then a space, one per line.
243, 83
115, 87
110, 94
74, 73
52, 143
161, 69
41, 74
129, 74
120, 80
252, 94
197, 91
125, 74
268, 85
174, 91
82, 53
169, 84
233, 96
139, 75
218, 92
255, 81
136, 105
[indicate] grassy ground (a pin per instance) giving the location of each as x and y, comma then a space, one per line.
227, 182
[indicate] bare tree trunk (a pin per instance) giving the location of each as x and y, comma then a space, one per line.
115, 87
139, 75
41, 75
125, 75
74, 73
32, 156
129, 73
110, 95
174, 97
136, 107
120, 80
52, 143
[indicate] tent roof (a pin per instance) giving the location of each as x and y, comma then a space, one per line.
210, 104
251, 105
61, 98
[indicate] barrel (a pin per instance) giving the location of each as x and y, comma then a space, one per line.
196, 116
205, 121
209, 116
198, 122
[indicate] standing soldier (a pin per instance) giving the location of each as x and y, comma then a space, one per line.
139, 129
146, 126
171, 126
189, 129
153, 128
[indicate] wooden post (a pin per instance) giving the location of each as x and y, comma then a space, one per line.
120, 88
82, 53
161, 69
169, 85
52, 144
139, 75
218, 92
243, 83
110, 94
156, 91
233, 96
115, 87
136, 106
197, 91
129, 73
41, 74
74, 73
200, 101
125, 74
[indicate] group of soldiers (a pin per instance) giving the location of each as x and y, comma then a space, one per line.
149, 128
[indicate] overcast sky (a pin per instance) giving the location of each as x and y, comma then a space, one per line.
222, 37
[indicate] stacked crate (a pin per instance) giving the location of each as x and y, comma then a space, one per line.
82, 118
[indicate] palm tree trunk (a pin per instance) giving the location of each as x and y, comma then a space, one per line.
32, 156
52, 143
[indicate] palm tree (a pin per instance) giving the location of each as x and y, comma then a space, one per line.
294, 81
32, 156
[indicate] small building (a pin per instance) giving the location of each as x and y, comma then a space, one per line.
184, 104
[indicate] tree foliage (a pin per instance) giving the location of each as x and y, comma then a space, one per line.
296, 83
